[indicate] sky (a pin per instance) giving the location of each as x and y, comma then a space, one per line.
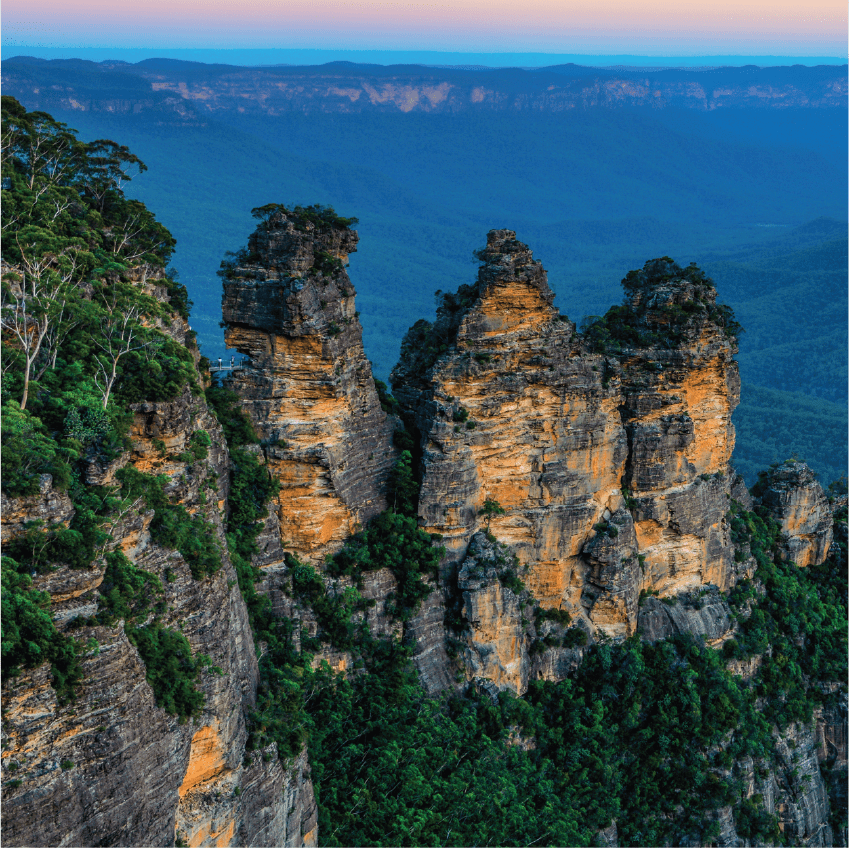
640, 27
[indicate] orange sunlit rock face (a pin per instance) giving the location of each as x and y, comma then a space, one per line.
608, 455
206, 758
309, 388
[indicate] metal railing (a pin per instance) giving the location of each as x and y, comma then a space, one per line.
233, 366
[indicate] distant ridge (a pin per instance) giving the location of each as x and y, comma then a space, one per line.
470, 61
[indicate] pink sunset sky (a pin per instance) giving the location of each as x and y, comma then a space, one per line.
671, 27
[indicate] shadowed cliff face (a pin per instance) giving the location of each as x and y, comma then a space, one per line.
289, 306
608, 452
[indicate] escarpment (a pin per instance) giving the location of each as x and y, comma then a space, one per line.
605, 452
114, 761
308, 388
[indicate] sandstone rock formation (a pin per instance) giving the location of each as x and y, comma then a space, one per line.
289, 306
792, 495
607, 452
579, 482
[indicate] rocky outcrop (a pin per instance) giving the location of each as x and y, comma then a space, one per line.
791, 493
49, 507
110, 766
795, 790
607, 452
702, 613
679, 385
289, 306
498, 633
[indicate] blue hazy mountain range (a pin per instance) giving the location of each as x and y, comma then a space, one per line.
754, 195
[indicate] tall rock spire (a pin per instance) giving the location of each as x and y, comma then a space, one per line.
289, 306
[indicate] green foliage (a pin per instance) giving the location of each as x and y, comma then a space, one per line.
251, 488
641, 721
199, 443
605, 528
27, 452
490, 509
172, 526
178, 295
402, 488
29, 635
387, 402
332, 609
323, 218
510, 580
73, 245
801, 620
40, 548
753, 822
158, 373
127, 592
171, 670
62, 188
575, 637
559, 616
327, 263
628, 326
425, 342
395, 542
227, 406
94, 429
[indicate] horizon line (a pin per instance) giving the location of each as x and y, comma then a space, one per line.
323, 55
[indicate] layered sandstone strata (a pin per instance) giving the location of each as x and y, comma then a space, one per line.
678, 393
289, 306
111, 767
791, 493
607, 452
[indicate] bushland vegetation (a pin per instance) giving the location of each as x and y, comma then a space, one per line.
85, 295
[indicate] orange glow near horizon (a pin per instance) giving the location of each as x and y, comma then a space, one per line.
618, 25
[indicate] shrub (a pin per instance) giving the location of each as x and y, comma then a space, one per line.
402, 488
387, 402
575, 637
227, 406
127, 592
509, 579
172, 526
27, 452
170, 668
395, 542
560, 616
199, 443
